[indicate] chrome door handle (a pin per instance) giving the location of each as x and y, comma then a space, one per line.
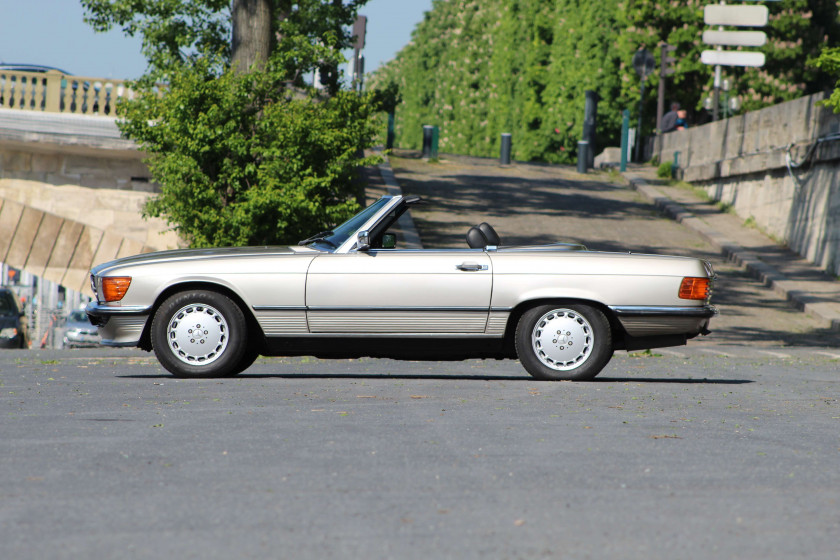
471, 266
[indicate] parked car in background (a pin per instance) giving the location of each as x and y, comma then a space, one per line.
13, 332
350, 292
79, 332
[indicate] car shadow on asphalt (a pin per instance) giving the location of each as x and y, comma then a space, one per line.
672, 380
453, 377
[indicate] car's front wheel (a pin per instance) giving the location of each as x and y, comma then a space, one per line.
199, 333
564, 341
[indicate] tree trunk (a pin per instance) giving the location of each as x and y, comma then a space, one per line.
252, 37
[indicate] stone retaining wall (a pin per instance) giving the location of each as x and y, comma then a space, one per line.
750, 162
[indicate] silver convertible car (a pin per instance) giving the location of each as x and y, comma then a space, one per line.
351, 292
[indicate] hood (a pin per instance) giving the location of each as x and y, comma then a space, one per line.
193, 254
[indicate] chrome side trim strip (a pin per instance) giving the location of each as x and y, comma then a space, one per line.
362, 308
399, 309
648, 311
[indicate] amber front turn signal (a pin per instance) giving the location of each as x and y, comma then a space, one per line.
115, 287
694, 288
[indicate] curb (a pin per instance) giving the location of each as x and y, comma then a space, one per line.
736, 253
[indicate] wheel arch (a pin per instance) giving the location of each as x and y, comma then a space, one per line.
513, 319
250, 320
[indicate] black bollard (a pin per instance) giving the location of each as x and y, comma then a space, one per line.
428, 132
504, 156
590, 121
582, 156
389, 140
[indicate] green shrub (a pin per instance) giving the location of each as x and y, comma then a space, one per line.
242, 160
665, 170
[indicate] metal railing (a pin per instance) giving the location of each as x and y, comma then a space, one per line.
55, 92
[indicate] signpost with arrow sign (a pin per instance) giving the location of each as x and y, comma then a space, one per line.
734, 16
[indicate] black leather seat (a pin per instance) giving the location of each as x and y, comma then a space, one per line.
482, 235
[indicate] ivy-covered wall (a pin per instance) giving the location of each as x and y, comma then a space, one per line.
477, 68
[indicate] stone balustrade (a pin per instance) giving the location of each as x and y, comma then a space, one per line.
56, 92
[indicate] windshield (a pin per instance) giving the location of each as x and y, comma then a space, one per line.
333, 239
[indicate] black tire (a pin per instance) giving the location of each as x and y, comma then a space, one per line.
248, 358
579, 349
200, 333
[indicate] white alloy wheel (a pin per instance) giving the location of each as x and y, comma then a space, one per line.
201, 333
197, 334
563, 339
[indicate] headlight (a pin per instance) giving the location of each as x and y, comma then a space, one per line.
9, 332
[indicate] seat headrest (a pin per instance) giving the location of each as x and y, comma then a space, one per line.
490, 234
476, 239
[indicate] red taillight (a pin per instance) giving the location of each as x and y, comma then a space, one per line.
115, 287
694, 288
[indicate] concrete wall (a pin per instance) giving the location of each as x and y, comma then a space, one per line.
85, 166
71, 196
62, 149
744, 161
43, 235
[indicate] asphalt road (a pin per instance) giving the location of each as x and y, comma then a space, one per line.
700, 452
725, 448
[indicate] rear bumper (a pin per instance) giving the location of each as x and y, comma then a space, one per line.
654, 321
118, 326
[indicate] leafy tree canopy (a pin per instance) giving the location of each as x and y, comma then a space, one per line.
243, 158
829, 62
478, 68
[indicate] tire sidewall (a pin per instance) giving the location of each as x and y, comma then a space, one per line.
223, 366
599, 356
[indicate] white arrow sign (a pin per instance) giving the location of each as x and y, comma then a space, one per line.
739, 16
735, 38
732, 58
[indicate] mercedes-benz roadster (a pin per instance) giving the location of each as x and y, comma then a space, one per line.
351, 292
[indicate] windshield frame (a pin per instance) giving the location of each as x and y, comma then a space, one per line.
344, 237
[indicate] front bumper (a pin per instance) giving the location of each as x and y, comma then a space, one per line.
118, 325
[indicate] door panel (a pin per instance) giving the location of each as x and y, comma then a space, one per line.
387, 291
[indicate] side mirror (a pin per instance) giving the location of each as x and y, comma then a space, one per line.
389, 241
363, 240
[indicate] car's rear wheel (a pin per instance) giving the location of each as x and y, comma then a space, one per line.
564, 341
200, 333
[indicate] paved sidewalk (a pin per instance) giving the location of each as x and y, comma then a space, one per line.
807, 286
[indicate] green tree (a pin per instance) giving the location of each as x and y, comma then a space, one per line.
480, 68
797, 30
829, 62
243, 157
